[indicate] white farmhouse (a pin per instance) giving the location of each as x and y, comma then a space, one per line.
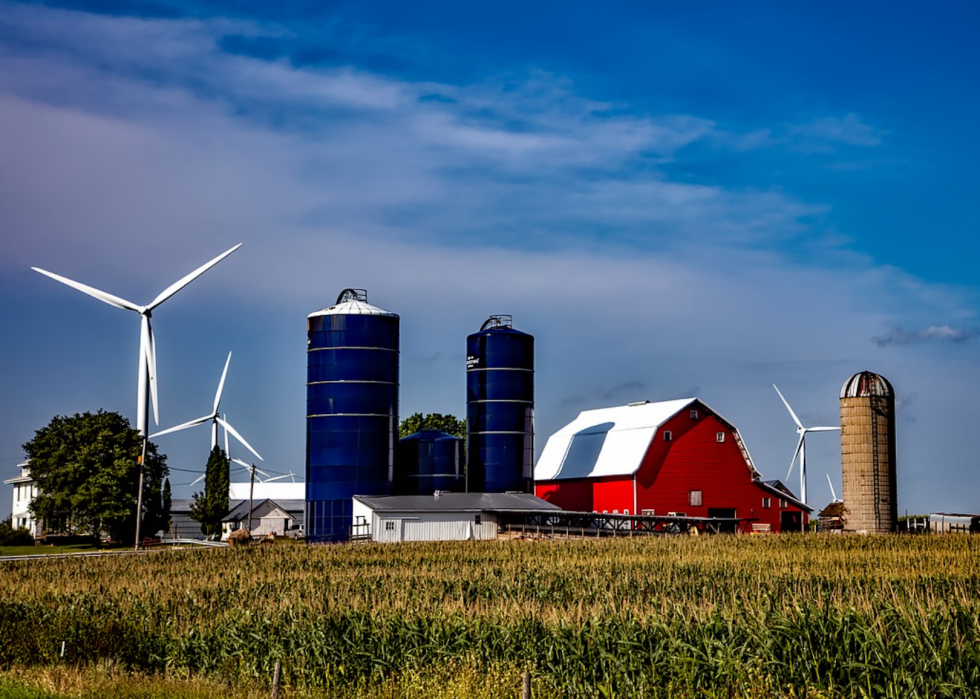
25, 490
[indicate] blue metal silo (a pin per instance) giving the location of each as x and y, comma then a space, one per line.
499, 408
429, 460
351, 410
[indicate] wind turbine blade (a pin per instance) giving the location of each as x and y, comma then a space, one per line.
214, 433
833, 495
226, 441
92, 291
184, 426
277, 478
823, 429
181, 283
146, 337
786, 403
198, 479
799, 446
234, 433
221, 385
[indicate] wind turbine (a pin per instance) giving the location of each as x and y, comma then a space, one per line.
147, 358
147, 378
801, 446
214, 417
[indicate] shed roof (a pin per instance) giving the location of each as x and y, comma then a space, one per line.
456, 502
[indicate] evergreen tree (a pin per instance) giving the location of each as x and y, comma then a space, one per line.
211, 506
87, 472
166, 505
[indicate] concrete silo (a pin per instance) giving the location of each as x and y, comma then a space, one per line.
867, 418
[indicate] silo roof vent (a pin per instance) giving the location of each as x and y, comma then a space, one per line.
353, 302
498, 321
352, 295
866, 383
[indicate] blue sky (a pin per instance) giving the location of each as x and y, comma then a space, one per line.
675, 199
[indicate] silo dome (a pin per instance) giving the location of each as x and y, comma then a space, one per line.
867, 383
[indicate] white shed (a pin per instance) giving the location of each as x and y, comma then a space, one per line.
438, 517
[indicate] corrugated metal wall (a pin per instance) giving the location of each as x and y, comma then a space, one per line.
438, 527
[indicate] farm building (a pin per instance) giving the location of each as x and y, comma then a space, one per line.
182, 526
947, 523
268, 517
674, 457
438, 517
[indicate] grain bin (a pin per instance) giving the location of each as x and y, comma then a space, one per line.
351, 410
427, 461
499, 408
867, 417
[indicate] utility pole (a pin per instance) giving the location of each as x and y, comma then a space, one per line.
251, 491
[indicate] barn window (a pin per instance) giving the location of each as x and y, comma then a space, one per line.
626, 512
766, 503
694, 498
720, 437
389, 526
648, 513
783, 504
668, 436
477, 519
694, 414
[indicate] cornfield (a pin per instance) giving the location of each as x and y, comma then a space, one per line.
724, 616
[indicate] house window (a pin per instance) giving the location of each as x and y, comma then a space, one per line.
668, 436
389, 526
694, 414
694, 498
477, 519
720, 437
766, 503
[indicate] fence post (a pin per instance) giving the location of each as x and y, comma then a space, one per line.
526, 685
275, 679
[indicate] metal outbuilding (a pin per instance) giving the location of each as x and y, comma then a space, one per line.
438, 517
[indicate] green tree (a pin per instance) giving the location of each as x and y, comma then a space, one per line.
211, 506
433, 421
87, 472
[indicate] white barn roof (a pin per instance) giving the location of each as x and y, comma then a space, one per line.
605, 442
613, 441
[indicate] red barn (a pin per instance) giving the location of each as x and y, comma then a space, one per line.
675, 457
